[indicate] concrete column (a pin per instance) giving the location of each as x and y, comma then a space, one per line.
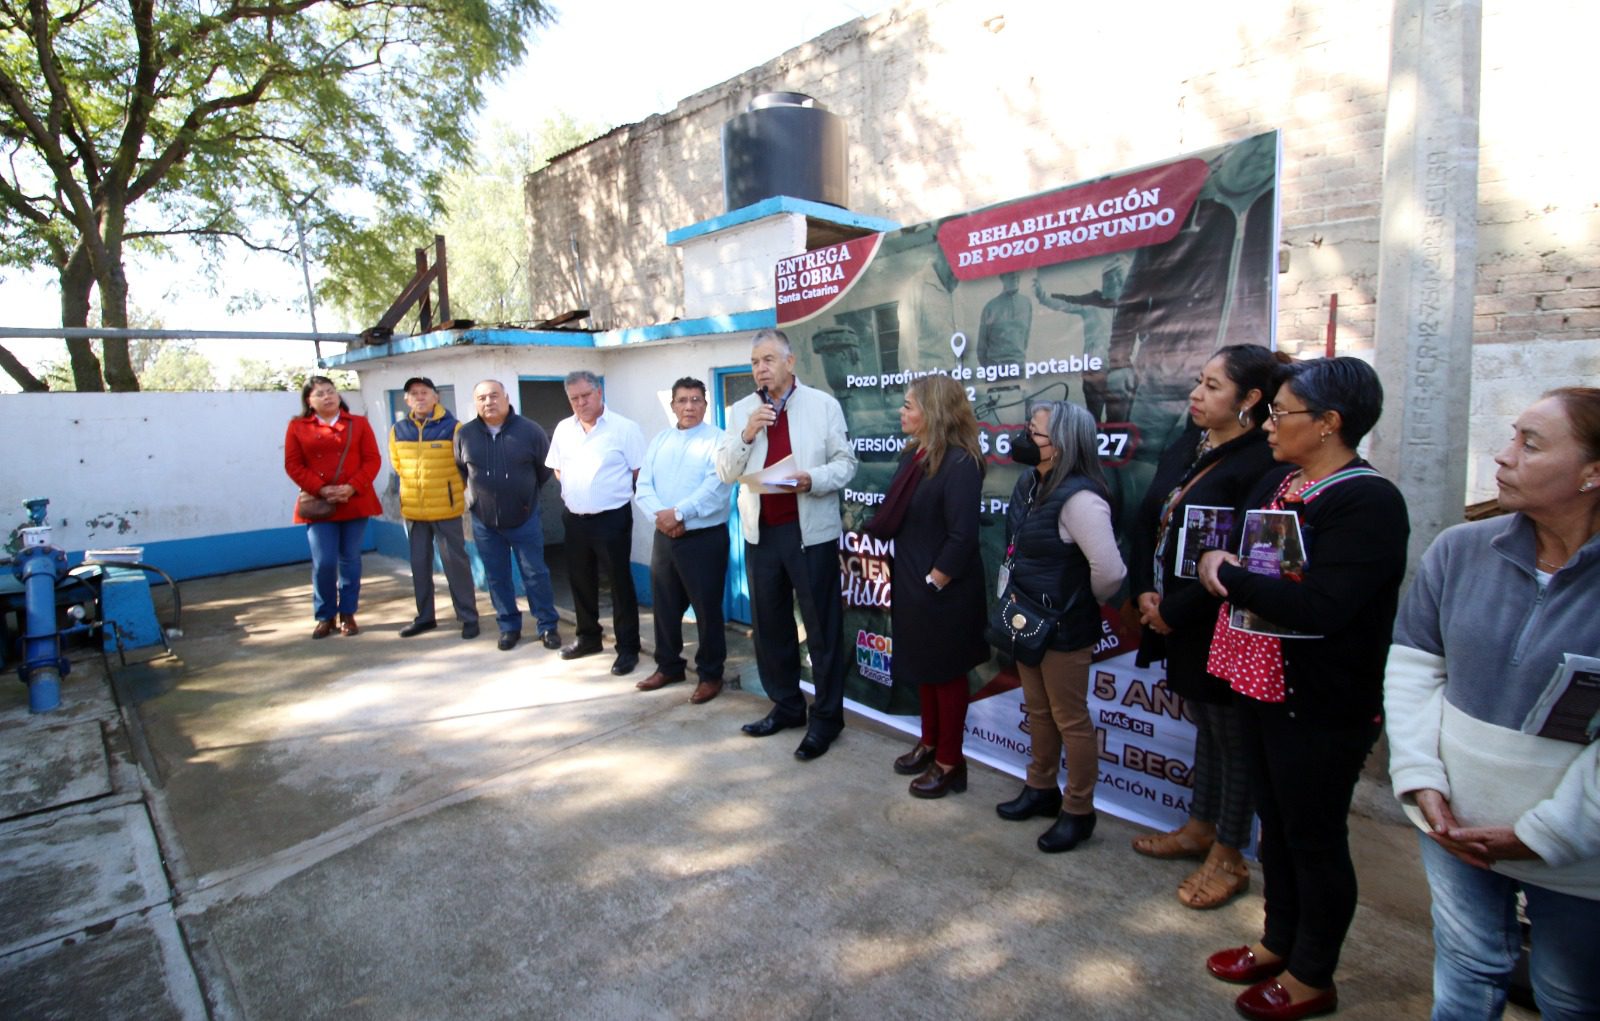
1427, 262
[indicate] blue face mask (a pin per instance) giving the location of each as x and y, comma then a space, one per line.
1023, 450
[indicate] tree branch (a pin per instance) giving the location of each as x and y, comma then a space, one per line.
183, 142
65, 117
143, 98
19, 372
215, 232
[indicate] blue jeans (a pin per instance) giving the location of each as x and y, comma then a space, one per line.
1476, 942
335, 555
495, 547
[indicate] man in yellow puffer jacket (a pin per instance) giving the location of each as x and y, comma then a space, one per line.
432, 499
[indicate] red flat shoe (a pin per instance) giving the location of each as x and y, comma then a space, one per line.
1240, 965
1269, 1001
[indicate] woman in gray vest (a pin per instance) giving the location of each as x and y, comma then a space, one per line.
1061, 545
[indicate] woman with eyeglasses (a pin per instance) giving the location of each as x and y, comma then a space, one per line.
1213, 468
1058, 527
1304, 649
330, 453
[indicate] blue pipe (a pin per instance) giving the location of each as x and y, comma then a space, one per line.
39, 568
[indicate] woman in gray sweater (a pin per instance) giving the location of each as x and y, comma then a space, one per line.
1496, 609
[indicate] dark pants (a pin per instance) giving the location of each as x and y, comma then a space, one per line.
784, 575
690, 570
505, 551
451, 540
595, 541
1303, 775
1221, 773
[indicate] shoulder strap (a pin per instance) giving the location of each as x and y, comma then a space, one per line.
349, 434
1172, 505
1321, 486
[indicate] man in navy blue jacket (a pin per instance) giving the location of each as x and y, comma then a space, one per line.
502, 456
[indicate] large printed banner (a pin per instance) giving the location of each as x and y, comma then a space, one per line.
1111, 293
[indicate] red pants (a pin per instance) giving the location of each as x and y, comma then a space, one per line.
944, 718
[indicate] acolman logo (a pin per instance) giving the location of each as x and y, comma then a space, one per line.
874, 654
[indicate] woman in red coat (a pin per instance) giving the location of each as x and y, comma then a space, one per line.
312, 448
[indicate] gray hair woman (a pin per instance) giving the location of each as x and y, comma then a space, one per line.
1498, 608
1058, 527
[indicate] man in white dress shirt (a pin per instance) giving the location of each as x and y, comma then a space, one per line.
680, 493
595, 455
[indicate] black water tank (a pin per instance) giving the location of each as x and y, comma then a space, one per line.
784, 144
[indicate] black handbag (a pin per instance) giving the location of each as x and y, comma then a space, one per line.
1021, 625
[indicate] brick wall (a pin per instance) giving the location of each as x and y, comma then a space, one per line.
951, 105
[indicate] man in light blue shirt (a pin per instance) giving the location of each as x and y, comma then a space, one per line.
680, 493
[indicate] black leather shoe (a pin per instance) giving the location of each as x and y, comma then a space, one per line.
551, 639
625, 663
770, 724
812, 746
1031, 802
509, 640
416, 627
469, 630
1068, 832
580, 648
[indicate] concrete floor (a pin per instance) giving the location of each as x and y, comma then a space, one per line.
430, 828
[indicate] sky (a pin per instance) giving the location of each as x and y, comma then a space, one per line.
582, 65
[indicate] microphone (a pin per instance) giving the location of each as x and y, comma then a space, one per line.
766, 398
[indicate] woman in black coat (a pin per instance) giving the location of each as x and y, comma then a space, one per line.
1312, 698
1212, 468
937, 608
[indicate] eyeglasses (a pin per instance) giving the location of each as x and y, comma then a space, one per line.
1274, 412
688, 400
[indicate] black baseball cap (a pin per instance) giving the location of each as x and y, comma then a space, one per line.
424, 380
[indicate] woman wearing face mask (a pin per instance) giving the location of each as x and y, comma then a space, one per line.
1058, 529
1215, 464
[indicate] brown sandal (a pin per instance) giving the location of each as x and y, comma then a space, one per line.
1213, 885
1169, 845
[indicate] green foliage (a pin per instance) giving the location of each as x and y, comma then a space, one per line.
485, 227
173, 365
261, 374
169, 365
132, 124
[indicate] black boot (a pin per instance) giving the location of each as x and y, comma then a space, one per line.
1031, 802
1068, 832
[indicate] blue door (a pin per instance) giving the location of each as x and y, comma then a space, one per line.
729, 386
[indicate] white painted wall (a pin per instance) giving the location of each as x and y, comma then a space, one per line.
638, 378
129, 468
731, 270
